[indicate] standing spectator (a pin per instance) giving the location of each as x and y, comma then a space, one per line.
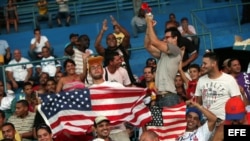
5, 52
43, 13
19, 74
63, 12
36, 45
242, 78
169, 55
11, 16
138, 23
213, 89
112, 45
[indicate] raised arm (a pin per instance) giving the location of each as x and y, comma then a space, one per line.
85, 56
183, 75
99, 48
126, 40
155, 42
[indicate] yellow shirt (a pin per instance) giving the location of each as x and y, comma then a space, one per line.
17, 136
42, 9
119, 38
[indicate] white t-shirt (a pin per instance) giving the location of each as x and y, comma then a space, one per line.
216, 92
40, 45
190, 28
19, 72
63, 6
49, 66
3, 46
120, 75
201, 134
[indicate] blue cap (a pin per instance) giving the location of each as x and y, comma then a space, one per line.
195, 110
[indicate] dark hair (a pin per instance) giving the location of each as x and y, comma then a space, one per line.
152, 69
171, 14
45, 127
150, 60
23, 102
184, 19
45, 47
8, 124
229, 64
51, 79
110, 57
68, 61
174, 33
2, 114
211, 56
27, 84
195, 66
37, 29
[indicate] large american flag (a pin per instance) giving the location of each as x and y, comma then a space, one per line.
168, 122
74, 112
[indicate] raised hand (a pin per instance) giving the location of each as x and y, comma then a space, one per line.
113, 21
104, 25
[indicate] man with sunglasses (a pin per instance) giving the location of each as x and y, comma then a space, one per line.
236, 114
169, 55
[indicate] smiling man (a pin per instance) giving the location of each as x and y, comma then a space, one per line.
102, 128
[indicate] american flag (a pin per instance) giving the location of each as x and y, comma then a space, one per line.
168, 122
73, 112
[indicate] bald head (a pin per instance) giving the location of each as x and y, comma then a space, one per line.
149, 136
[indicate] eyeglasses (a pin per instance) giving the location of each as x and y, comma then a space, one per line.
166, 37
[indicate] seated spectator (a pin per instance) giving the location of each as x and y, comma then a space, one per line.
36, 45
9, 132
63, 12
50, 86
58, 76
43, 13
186, 29
50, 67
41, 87
6, 99
4, 52
11, 16
23, 114
172, 19
138, 23
225, 67
102, 124
44, 133
180, 87
30, 96
19, 74
2, 123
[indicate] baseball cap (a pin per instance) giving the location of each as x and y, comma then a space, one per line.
73, 35
95, 60
235, 109
195, 110
100, 119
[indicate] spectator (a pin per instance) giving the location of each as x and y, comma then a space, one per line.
11, 16
5, 52
23, 114
112, 45
136, 6
186, 29
172, 19
169, 55
118, 35
63, 12
41, 87
236, 114
114, 72
36, 45
194, 131
225, 67
102, 128
50, 86
214, 98
2, 122
30, 96
43, 13
19, 74
50, 67
9, 131
180, 87
138, 23
58, 76
44, 133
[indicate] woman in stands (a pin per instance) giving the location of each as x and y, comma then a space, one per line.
44, 133
72, 81
11, 16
